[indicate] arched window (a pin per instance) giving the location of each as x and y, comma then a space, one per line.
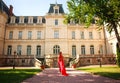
83, 50
91, 49
73, 51
56, 49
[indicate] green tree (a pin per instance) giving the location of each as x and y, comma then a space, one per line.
101, 11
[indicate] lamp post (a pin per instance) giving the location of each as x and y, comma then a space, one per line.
99, 59
14, 60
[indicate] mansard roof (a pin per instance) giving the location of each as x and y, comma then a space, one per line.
3, 7
17, 18
51, 9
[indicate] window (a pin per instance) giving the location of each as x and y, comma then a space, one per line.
21, 20
12, 20
82, 35
56, 11
56, 49
73, 34
99, 33
30, 20
83, 50
39, 20
19, 49
29, 34
11, 35
101, 49
9, 50
56, 21
38, 51
39, 35
73, 51
56, 34
28, 50
90, 35
20, 35
91, 49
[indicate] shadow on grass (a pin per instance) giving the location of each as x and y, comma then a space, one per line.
17, 75
108, 74
111, 72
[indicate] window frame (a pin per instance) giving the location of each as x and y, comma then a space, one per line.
29, 34
56, 34
28, 50
20, 35
83, 52
9, 50
38, 50
56, 49
11, 35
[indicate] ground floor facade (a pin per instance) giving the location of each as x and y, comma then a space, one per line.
35, 52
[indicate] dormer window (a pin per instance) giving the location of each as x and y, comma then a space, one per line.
21, 20
30, 20
39, 20
56, 9
12, 20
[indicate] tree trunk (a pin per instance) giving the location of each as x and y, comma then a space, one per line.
116, 33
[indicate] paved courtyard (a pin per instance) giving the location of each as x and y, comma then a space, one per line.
52, 75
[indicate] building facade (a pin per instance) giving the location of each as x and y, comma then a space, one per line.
23, 39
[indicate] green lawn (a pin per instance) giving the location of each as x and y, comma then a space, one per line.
16, 75
108, 71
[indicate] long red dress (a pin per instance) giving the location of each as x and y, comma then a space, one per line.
61, 65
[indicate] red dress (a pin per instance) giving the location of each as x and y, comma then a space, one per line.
61, 65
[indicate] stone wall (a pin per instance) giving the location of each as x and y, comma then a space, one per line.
22, 60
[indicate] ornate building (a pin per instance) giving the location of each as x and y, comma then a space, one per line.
27, 40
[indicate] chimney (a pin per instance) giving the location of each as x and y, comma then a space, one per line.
11, 10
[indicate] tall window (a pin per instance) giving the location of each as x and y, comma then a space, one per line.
11, 35
28, 50
29, 34
83, 50
73, 51
20, 35
56, 49
56, 34
39, 35
73, 34
19, 50
56, 21
38, 51
101, 49
82, 35
91, 49
90, 35
9, 50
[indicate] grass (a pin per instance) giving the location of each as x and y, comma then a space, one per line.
16, 75
108, 71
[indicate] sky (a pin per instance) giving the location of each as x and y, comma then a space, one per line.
33, 7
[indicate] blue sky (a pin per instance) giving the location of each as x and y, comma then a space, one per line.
33, 7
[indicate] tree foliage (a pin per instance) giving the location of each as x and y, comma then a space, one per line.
101, 11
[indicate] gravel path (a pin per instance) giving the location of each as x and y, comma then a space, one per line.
52, 75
